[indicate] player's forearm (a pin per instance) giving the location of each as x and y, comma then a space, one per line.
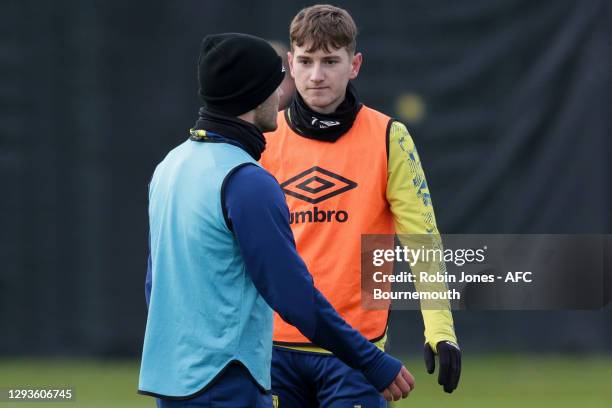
334, 334
323, 326
438, 326
437, 316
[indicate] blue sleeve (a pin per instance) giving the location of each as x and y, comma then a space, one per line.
256, 211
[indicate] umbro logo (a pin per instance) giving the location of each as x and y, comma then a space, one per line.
317, 184
323, 124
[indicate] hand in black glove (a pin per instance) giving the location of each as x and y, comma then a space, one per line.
450, 363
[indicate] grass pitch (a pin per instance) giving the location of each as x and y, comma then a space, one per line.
520, 381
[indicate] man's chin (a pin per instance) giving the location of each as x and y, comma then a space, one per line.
268, 127
318, 104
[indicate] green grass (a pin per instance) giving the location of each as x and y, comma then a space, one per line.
96, 384
521, 381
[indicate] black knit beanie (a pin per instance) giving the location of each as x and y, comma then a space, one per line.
237, 72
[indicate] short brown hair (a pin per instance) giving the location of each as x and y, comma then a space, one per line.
325, 27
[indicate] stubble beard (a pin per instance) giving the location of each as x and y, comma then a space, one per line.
265, 118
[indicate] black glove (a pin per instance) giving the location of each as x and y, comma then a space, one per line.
450, 363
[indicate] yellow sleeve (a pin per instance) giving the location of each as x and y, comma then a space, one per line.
413, 213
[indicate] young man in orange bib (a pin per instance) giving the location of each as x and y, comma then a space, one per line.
346, 170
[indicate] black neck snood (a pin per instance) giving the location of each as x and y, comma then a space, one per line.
324, 127
236, 131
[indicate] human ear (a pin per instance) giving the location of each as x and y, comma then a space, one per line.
290, 63
356, 65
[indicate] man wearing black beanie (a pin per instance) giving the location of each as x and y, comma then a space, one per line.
222, 254
239, 76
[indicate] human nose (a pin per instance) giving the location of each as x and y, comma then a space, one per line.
316, 74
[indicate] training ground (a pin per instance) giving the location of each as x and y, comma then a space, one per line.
520, 381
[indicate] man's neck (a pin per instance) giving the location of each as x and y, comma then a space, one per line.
248, 117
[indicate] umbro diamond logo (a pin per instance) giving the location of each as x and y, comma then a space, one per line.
323, 124
317, 184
